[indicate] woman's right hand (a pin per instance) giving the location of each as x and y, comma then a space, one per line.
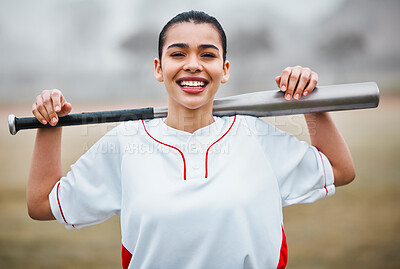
50, 105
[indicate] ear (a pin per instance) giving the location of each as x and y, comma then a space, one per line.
157, 70
225, 76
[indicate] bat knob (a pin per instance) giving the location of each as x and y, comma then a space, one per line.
11, 124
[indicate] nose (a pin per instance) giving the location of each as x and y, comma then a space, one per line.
193, 65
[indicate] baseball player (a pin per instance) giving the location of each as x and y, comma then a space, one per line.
192, 190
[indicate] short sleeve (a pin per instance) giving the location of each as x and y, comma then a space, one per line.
304, 174
91, 191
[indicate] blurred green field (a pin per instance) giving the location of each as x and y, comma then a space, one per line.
358, 227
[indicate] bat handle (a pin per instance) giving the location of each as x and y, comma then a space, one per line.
12, 124
15, 124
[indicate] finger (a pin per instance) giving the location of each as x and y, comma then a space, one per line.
303, 81
278, 81
37, 114
48, 104
56, 100
285, 78
312, 84
41, 110
293, 81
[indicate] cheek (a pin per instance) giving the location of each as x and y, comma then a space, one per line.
170, 72
218, 74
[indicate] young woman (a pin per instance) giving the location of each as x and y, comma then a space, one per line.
204, 191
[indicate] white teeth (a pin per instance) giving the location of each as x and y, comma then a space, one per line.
192, 83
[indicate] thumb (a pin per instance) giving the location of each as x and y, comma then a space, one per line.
65, 109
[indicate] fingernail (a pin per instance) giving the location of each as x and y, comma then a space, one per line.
283, 88
57, 108
44, 122
305, 93
287, 97
297, 96
54, 120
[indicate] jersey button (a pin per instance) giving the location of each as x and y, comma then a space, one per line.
194, 148
196, 166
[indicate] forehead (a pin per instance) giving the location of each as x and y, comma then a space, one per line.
193, 34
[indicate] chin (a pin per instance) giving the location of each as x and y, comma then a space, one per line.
195, 102
193, 105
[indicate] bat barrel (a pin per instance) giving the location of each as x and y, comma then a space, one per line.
323, 98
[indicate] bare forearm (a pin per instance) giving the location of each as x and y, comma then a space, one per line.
326, 137
44, 173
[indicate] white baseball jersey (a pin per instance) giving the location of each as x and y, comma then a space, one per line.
210, 199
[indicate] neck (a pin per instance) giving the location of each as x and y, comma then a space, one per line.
189, 120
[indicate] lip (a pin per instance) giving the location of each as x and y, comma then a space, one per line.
193, 90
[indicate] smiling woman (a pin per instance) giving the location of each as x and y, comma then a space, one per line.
192, 69
183, 204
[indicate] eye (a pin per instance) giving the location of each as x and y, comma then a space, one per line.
208, 55
177, 54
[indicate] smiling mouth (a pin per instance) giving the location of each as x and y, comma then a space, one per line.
192, 83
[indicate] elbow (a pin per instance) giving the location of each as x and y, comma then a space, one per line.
351, 175
344, 177
33, 213
40, 211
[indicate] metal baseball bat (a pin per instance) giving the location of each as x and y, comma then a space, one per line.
258, 104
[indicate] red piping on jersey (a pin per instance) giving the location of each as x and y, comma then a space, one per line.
234, 119
126, 257
323, 166
284, 254
59, 205
183, 157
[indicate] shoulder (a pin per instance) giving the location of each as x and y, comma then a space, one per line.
268, 135
119, 137
256, 126
121, 132
131, 128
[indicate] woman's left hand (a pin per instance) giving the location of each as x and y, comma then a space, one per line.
297, 81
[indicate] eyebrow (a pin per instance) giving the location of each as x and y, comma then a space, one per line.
208, 46
185, 46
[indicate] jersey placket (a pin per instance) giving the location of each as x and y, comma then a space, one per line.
194, 152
